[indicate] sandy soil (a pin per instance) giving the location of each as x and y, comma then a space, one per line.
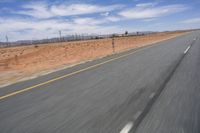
17, 63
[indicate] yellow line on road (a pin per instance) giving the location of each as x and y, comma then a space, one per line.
76, 72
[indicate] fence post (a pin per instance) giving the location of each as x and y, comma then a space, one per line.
113, 43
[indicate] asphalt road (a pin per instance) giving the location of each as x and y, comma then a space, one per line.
177, 109
144, 90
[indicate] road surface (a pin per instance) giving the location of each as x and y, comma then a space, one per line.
153, 89
177, 109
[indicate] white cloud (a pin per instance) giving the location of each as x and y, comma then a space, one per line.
105, 14
149, 19
47, 20
78, 9
20, 29
43, 10
113, 18
95, 21
89, 21
45, 23
191, 21
146, 4
145, 11
37, 10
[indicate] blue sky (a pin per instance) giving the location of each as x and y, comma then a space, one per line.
37, 19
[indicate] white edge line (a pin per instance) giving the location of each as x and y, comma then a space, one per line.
187, 49
127, 127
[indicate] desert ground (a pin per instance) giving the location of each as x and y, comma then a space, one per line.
22, 62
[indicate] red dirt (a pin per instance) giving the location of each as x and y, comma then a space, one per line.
24, 61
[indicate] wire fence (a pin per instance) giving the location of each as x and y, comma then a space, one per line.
69, 38
76, 37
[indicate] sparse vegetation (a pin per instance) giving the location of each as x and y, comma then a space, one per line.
36, 58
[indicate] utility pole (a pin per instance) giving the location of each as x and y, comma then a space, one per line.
60, 34
7, 40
